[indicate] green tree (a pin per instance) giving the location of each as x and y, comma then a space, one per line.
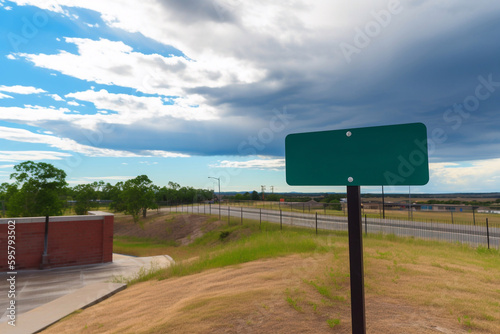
138, 195
98, 188
85, 196
173, 185
114, 193
41, 188
273, 197
7, 190
168, 194
255, 196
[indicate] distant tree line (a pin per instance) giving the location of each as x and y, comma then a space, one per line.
255, 196
41, 189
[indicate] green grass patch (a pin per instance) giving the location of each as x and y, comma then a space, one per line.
326, 291
332, 284
254, 247
141, 246
467, 321
293, 300
136, 242
223, 235
333, 322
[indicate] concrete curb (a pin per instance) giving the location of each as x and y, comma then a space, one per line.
43, 316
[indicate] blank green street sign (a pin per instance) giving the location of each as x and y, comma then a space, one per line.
380, 155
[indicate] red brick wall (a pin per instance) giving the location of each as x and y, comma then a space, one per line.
74, 240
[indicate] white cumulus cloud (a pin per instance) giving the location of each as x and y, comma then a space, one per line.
115, 63
477, 175
273, 164
25, 90
131, 109
65, 144
459, 177
53, 6
90, 179
56, 97
15, 156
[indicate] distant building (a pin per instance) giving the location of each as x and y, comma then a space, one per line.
401, 206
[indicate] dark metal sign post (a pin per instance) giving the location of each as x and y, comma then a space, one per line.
382, 155
356, 260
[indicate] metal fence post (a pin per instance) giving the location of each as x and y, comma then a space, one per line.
366, 226
241, 220
488, 233
260, 218
316, 222
228, 214
474, 215
281, 221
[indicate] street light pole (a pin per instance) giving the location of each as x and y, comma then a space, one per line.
218, 179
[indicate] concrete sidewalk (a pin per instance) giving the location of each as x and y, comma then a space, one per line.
45, 296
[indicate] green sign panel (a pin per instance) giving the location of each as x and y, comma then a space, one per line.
380, 155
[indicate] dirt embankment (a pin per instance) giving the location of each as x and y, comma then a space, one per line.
181, 229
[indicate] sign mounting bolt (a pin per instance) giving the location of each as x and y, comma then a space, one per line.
350, 179
348, 134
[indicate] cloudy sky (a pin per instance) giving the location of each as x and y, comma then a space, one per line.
181, 90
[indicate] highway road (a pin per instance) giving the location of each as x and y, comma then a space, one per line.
467, 234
